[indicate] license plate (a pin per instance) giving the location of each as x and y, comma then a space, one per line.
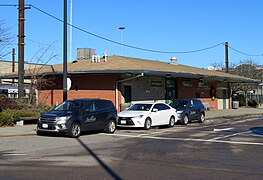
44, 125
123, 122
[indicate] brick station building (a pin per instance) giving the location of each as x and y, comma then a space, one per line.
125, 80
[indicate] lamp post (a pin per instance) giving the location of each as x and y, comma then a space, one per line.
121, 28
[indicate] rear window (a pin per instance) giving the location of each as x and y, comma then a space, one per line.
103, 104
179, 103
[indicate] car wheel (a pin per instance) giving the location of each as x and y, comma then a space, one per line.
202, 118
147, 124
111, 127
185, 120
40, 133
75, 130
172, 121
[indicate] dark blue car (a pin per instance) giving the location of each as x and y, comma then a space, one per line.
75, 116
188, 110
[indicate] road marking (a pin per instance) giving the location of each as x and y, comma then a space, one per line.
225, 129
224, 123
11, 154
188, 139
231, 135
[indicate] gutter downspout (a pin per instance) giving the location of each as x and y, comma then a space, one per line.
116, 88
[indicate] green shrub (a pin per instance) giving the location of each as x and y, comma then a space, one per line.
9, 116
242, 103
6, 118
13, 109
252, 103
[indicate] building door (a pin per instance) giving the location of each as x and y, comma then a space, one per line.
170, 89
224, 99
127, 94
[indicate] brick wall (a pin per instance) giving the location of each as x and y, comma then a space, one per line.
91, 86
194, 91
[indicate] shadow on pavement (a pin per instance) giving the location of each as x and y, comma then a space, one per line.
105, 167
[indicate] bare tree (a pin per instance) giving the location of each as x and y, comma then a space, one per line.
38, 79
5, 38
246, 68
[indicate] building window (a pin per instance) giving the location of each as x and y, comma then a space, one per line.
202, 84
187, 83
156, 83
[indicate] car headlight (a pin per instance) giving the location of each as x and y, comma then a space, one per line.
179, 112
62, 120
138, 117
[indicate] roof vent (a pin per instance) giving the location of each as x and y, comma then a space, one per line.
85, 53
106, 55
173, 60
95, 59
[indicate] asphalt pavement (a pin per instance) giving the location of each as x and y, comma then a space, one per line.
30, 129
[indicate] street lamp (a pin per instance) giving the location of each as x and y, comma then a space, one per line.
121, 28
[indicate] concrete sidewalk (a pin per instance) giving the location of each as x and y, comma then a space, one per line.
31, 129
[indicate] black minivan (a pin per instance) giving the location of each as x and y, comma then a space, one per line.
75, 116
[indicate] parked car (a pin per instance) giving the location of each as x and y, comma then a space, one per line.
188, 110
147, 114
75, 116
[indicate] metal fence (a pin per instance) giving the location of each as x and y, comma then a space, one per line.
256, 97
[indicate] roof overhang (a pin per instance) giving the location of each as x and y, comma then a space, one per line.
170, 74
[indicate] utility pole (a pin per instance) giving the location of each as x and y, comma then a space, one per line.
21, 44
226, 56
65, 95
21, 36
13, 63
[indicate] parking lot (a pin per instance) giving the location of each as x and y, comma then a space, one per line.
247, 131
228, 148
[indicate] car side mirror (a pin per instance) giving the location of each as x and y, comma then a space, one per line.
154, 110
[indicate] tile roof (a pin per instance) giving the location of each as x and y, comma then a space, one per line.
121, 64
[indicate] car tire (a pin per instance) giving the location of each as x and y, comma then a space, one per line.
111, 127
171, 121
147, 124
185, 120
74, 130
202, 118
40, 133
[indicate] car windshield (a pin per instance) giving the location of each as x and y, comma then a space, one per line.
140, 107
179, 103
68, 106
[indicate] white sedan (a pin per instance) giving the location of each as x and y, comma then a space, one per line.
147, 114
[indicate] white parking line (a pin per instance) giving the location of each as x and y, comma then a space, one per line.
188, 139
224, 129
224, 123
231, 135
11, 154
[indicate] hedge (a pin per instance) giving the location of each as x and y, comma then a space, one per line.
9, 116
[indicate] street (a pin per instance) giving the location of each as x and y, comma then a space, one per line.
229, 148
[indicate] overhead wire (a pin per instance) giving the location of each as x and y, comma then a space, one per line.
130, 46
126, 45
244, 53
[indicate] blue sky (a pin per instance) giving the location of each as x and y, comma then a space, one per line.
161, 25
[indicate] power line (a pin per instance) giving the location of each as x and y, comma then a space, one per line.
130, 46
126, 45
244, 53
